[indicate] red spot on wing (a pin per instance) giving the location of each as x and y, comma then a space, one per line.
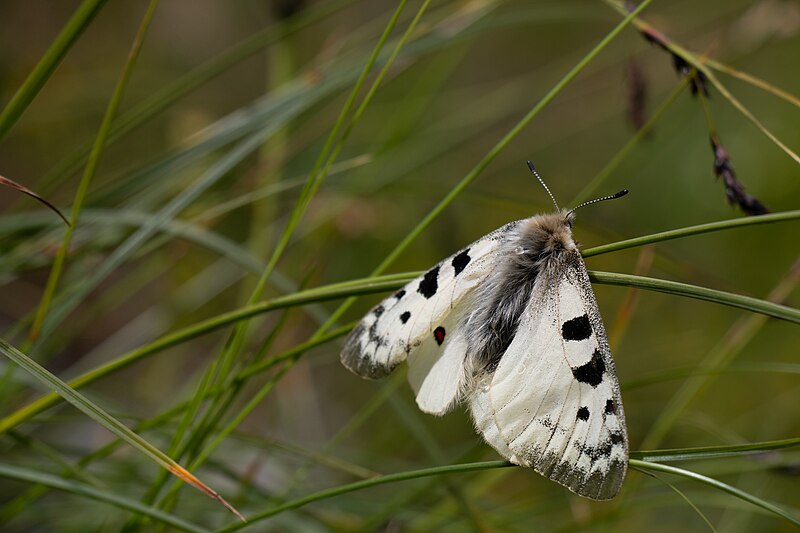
438, 334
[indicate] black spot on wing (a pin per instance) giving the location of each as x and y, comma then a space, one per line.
399, 294
617, 438
378, 311
461, 261
583, 414
591, 372
610, 407
429, 284
576, 329
404, 317
438, 334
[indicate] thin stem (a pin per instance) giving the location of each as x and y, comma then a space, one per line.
91, 168
47, 65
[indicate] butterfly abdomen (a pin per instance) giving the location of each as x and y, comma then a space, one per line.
534, 244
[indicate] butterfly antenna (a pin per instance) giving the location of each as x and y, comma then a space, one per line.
533, 169
614, 196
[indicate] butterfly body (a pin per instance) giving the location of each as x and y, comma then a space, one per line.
510, 326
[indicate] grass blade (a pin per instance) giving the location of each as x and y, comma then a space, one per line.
692, 230
47, 64
694, 476
119, 429
507, 138
23, 189
701, 66
368, 483
714, 452
89, 171
19, 473
699, 293
373, 285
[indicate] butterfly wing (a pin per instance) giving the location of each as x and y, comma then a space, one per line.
421, 322
553, 402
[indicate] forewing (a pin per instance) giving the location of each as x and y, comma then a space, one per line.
421, 322
554, 397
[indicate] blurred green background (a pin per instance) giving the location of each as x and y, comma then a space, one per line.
469, 71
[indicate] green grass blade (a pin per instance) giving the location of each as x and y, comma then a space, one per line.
89, 171
116, 427
640, 134
220, 370
310, 296
18, 473
692, 230
365, 484
48, 63
714, 452
720, 356
698, 293
694, 476
507, 138
127, 248
163, 98
685, 498
373, 285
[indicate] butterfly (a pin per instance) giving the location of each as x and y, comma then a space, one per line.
509, 326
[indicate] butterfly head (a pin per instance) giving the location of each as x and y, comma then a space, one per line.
545, 237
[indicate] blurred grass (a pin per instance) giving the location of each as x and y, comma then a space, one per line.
230, 99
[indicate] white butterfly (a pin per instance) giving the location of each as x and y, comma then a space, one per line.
510, 326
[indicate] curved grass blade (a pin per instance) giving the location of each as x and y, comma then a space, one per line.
369, 286
749, 115
486, 465
330, 292
116, 427
692, 230
772, 508
699, 293
684, 497
170, 413
19, 473
365, 484
47, 65
23, 189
